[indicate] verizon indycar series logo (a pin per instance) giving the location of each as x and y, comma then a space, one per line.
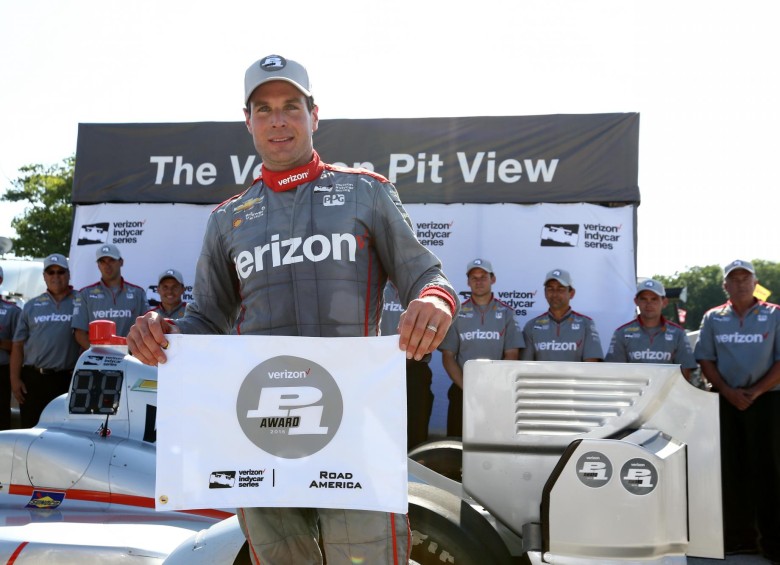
594, 236
289, 407
247, 478
123, 232
560, 235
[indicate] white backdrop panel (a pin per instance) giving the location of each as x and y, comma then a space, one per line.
524, 242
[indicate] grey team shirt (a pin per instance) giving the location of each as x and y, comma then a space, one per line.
45, 329
483, 332
574, 338
742, 349
666, 343
9, 317
309, 261
98, 302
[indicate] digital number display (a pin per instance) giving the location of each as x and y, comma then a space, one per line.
96, 392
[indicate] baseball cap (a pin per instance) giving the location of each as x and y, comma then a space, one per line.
739, 264
653, 286
559, 275
275, 67
170, 274
108, 250
55, 259
483, 264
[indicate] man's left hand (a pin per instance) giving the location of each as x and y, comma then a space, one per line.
423, 326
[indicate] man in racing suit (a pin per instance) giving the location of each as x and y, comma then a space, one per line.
306, 251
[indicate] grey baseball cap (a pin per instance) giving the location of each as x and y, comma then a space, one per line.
483, 264
170, 274
275, 67
653, 286
108, 250
55, 259
559, 275
739, 264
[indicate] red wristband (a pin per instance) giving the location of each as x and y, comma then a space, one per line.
439, 292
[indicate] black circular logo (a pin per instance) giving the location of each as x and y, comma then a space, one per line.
594, 469
639, 476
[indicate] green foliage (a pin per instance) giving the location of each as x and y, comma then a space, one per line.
705, 288
45, 226
768, 273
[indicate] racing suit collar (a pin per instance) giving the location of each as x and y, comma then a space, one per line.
279, 181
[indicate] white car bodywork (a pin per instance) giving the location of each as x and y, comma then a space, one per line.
79, 487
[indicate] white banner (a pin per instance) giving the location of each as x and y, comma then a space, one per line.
524, 242
594, 243
277, 421
151, 237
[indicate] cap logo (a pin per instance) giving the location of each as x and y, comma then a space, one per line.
649, 284
54, 259
169, 272
477, 261
104, 249
273, 63
557, 273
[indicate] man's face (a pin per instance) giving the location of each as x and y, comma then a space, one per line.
170, 291
740, 285
557, 295
281, 125
480, 282
650, 305
57, 279
110, 269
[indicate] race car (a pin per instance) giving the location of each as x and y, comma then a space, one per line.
577, 463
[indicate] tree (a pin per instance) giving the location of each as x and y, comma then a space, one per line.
768, 274
705, 288
45, 227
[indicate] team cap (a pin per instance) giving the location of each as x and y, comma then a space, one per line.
108, 250
559, 275
653, 286
483, 264
170, 274
55, 259
275, 67
739, 264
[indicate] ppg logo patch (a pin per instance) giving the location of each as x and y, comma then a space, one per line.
333, 200
639, 476
289, 407
594, 469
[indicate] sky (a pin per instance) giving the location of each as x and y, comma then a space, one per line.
703, 75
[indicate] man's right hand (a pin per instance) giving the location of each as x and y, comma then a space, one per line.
18, 389
740, 398
146, 339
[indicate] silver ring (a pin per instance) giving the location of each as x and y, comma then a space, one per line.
431, 327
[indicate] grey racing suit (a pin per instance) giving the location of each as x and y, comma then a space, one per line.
312, 260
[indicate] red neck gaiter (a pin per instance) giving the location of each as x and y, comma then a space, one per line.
279, 181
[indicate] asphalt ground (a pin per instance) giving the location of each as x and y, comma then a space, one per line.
730, 560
